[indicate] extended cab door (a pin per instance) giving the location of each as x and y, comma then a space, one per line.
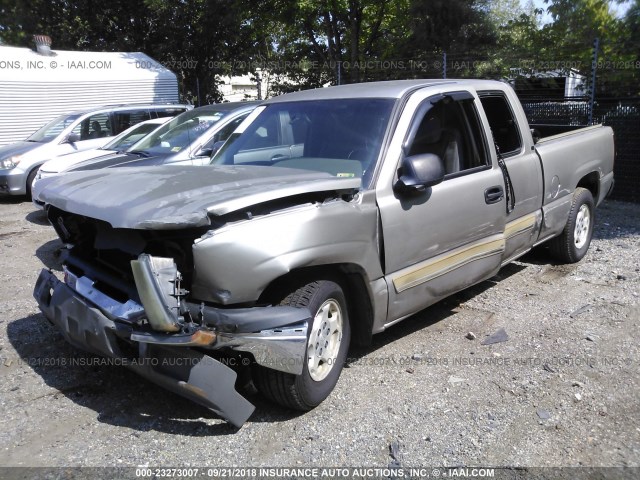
506, 125
448, 236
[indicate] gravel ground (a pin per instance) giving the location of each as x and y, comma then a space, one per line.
560, 388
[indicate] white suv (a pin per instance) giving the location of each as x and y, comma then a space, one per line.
81, 130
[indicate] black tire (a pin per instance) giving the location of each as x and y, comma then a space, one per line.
572, 244
30, 177
302, 392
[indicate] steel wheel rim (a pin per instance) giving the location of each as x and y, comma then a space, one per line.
324, 340
581, 230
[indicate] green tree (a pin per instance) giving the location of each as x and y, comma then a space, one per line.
89, 25
501, 12
461, 28
576, 24
454, 26
331, 39
201, 39
297, 44
356, 40
623, 79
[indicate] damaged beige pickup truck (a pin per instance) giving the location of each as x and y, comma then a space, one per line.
328, 216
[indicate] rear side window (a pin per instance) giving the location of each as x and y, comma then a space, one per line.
502, 123
129, 118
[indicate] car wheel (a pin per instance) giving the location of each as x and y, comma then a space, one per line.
328, 339
572, 244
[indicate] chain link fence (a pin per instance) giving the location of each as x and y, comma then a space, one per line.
558, 92
577, 90
621, 114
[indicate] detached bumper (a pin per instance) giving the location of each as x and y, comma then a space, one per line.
167, 359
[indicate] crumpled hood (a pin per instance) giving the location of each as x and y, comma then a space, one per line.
171, 197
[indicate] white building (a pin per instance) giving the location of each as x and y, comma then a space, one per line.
552, 83
238, 88
245, 87
37, 86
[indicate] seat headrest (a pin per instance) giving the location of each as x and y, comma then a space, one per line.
431, 131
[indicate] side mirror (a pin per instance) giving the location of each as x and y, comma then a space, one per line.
72, 138
419, 172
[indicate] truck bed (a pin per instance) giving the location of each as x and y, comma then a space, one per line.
590, 159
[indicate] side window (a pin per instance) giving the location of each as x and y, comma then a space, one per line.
95, 126
267, 135
451, 130
129, 118
502, 123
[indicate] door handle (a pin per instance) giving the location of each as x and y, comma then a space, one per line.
493, 194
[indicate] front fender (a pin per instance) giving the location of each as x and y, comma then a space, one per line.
236, 263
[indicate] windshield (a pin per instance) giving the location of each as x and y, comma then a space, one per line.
52, 129
131, 136
179, 133
341, 137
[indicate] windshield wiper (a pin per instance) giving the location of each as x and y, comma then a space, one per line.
141, 153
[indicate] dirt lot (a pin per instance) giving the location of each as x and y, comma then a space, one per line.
562, 390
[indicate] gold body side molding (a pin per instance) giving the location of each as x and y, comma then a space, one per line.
447, 262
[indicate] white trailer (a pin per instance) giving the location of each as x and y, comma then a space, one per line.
36, 87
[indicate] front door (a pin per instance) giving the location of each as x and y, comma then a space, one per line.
451, 235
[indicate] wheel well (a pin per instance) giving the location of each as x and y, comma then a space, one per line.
350, 277
592, 183
29, 177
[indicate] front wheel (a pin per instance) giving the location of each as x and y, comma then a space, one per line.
572, 244
30, 179
328, 339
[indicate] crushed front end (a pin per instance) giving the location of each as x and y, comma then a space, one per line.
125, 294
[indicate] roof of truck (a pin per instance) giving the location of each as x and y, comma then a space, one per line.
387, 89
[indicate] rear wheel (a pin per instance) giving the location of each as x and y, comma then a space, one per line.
572, 244
327, 345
